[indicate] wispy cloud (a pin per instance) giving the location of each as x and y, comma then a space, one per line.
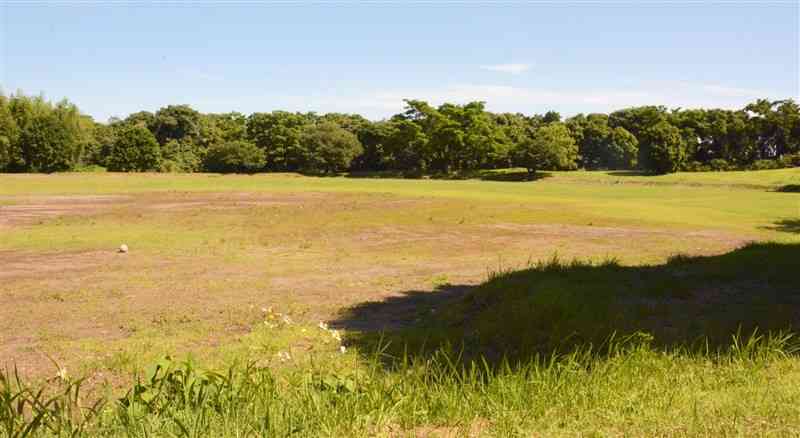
514, 69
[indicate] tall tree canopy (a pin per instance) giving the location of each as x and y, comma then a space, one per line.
40, 136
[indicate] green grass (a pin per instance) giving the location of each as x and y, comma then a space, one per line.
631, 389
688, 302
622, 341
741, 202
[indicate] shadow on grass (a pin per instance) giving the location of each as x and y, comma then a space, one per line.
786, 226
630, 173
789, 188
555, 307
485, 175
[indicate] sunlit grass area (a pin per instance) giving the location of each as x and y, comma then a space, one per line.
581, 303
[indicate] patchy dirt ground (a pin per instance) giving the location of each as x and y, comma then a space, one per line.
225, 256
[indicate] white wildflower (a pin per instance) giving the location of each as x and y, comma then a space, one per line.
343, 349
323, 326
284, 356
62, 374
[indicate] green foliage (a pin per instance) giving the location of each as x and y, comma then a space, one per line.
10, 153
279, 135
134, 149
640, 389
451, 139
43, 138
234, 157
552, 147
329, 148
665, 151
219, 128
175, 122
406, 146
181, 157
57, 410
601, 146
560, 306
718, 164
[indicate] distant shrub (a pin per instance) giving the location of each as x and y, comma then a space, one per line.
665, 150
718, 164
134, 149
695, 166
329, 148
234, 157
764, 165
551, 148
790, 160
89, 168
180, 157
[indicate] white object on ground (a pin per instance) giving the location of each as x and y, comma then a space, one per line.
123, 248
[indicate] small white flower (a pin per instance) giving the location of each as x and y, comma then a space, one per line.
343, 349
284, 356
323, 326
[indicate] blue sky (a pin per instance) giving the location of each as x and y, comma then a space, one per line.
527, 57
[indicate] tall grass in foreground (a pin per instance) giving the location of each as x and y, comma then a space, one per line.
750, 388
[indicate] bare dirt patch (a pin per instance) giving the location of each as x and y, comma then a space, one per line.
17, 264
66, 304
590, 231
28, 210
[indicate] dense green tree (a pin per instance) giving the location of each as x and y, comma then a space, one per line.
551, 147
406, 146
179, 157
551, 117
516, 129
603, 147
234, 157
352, 123
476, 140
134, 149
40, 136
10, 152
145, 119
665, 152
176, 122
329, 148
775, 126
221, 128
279, 135
49, 135
639, 121
373, 138
622, 149
103, 136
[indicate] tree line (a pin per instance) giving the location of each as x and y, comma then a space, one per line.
41, 136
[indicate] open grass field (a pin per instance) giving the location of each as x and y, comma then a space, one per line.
455, 301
